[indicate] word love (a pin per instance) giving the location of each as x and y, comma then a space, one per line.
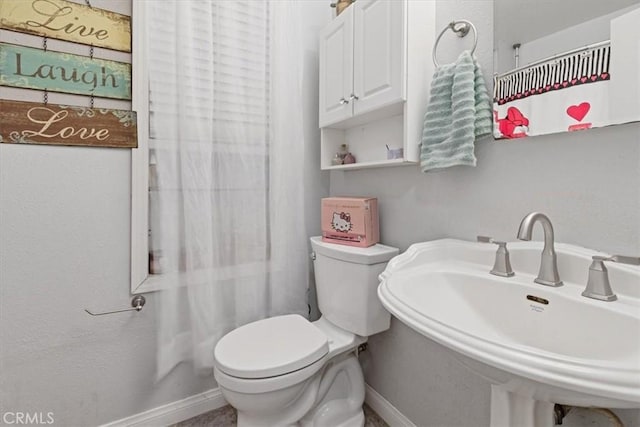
32, 123
52, 117
66, 20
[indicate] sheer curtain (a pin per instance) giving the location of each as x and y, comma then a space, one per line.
226, 202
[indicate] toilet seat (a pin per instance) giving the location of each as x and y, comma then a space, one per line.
255, 346
270, 347
265, 385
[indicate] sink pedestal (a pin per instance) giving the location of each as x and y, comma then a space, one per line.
511, 409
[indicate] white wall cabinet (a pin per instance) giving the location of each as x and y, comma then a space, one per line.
375, 71
378, 54
362, 60
336, 69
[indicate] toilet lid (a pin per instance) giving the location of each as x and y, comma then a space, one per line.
270, 347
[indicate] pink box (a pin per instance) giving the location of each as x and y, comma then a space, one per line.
350, 221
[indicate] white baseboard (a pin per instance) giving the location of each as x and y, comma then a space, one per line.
210, 400
174, 412
385, 409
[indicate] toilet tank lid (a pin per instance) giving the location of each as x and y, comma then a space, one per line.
372, 255
270, 347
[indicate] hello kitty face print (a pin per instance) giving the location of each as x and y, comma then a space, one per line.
341, 222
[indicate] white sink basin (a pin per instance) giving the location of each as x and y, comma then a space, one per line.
571, 350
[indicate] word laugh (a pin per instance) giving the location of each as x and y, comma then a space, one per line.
51, 72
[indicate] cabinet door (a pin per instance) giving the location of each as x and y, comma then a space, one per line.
379, 53
336, 69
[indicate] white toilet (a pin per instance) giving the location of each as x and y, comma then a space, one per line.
287, 371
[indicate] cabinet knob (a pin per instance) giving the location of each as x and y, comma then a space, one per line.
343, 101
353, 96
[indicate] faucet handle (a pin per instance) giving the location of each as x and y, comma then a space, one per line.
487, 239
502, 264
598, 286
623, 259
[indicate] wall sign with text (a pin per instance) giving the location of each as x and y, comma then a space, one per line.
30, 68
36, 123
65, 20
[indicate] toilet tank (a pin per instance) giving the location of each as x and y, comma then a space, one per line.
347, 285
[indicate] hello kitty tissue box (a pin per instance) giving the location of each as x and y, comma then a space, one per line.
350, 221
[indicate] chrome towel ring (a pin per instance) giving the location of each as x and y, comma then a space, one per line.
461, 28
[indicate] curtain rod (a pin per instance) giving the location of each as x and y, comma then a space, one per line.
551, 58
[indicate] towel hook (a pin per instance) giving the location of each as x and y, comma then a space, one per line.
461, 28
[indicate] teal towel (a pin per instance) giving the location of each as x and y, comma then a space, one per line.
459, 111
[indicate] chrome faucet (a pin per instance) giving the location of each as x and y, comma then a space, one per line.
548, 274
598, 286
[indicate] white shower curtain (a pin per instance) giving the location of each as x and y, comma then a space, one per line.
226, 201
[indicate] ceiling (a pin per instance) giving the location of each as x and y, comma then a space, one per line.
520, 21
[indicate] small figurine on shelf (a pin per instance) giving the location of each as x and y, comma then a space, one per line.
343, 156
344, 150
348, 159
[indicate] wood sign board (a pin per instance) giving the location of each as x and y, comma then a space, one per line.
30, 68
65, 20
36, 123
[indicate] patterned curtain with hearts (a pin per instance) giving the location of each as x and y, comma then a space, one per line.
566, 93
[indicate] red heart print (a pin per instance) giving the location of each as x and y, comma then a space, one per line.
574, 81
564, 84
593, 78
579, 111
604, 75
584, 79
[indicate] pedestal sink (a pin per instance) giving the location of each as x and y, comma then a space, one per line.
536, 345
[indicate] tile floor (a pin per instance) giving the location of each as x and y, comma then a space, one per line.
226, 417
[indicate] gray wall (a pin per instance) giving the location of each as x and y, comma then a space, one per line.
65, 245
64, 227
587, 182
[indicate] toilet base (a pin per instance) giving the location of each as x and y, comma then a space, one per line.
333, 397
356, 420
340, 395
